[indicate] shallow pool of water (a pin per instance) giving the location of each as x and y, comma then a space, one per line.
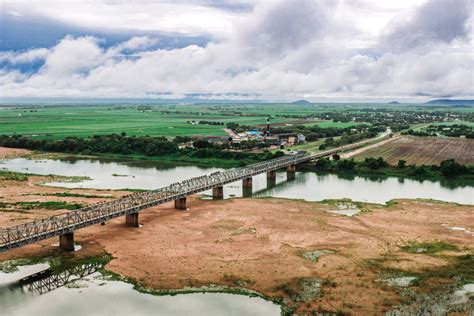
94, 295
309, 186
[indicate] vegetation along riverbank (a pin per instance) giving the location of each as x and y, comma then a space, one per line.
447, 169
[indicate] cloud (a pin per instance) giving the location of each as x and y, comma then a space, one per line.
138, 43
277, 51
279, 27
437, 21
180, 17
28, 56
72, 56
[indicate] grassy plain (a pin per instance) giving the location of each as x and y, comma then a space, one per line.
428, 151
158, 120
471, 124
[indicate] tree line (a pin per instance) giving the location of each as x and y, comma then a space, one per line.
447, 169
133, 145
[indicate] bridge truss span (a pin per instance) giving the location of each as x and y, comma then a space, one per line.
67, 223
34, 231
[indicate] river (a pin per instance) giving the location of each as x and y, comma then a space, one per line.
93, 294
96, 295
310, 186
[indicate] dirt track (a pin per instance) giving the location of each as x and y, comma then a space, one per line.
363, 149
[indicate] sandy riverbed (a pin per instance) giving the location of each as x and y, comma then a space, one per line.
8, 153
260, 244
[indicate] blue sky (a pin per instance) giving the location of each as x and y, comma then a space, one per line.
320, 50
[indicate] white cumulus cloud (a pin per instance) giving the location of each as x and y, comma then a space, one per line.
277, 51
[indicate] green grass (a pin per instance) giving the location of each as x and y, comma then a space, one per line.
309, 146
13, 176
158, 120
470, 124
60, 122
429, 247
67, 194
49, 205
325, 124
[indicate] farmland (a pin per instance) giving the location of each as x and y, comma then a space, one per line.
428, 151
159, 120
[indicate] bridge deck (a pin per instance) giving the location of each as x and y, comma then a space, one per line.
31, 232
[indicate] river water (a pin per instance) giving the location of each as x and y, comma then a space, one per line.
310, 186
95, 295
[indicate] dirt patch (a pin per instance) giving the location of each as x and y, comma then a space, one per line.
31, 192
259, 243
423, 150
8, 153
364, 149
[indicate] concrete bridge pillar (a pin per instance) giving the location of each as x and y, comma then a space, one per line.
218, 193
271, 175
247, 187
132, 220
247, 182
271, 178
66, 242
246, 192
180, 204
291, 172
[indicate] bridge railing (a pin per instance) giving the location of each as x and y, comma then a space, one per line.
65, 223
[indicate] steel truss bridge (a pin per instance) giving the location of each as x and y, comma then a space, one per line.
65, 224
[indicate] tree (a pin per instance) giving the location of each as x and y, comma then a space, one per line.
451, 168
181, 139
402, 163
202, 143
336, 157
346, 164
232, 125
322, 164
373, 163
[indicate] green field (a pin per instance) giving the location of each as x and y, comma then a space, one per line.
159, 120
470, 124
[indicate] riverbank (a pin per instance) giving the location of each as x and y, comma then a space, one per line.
9, 153
306, 254
23, 197
447, 170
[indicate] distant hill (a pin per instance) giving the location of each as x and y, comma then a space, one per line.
393, 102
450, 102
301, 102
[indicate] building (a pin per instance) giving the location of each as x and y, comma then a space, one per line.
300, 138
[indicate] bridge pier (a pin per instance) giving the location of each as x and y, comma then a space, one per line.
218, 193
132, 220
271, 175
246, 192
180, 204
271, 178
247, 183
291, 172
66, 242
247, 187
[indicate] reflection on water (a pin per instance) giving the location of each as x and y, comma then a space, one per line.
81, 290
315, 187
307, 185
